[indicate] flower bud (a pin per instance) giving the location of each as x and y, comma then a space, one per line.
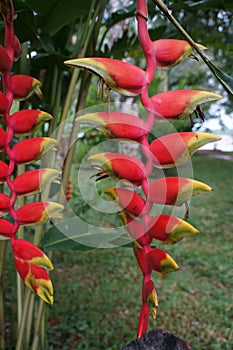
23, 86
161, 262
175, 190
26, 122
119, 76
37, 213
169, 229
33, 181
31, 150
119, 166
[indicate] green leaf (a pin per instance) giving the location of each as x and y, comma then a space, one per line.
225, 79
76, 235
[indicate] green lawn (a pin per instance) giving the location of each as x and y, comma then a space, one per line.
97, 293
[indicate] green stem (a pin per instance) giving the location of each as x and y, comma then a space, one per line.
21, 339
38, 326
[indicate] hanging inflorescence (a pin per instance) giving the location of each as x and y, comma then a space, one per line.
31, 263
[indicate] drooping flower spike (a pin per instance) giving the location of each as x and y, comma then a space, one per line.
119, 76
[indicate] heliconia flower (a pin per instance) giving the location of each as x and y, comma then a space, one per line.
116, 124
25, 122
33, 181
143, 321
17, 47
4, 103
37, 279
6, 228
3, 171
119, 76
170, 52
149, 296
179, 104
169, 229
29, 253
37, 213
128, 200
31, 263
175, 190
5, 63
23, 86
31, 150
174, 149
4, 204
119, 166
3, 139
136, 230
161, 262
141, 257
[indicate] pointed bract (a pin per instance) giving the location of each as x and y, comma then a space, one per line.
3, 139
169, 229
128, 200
119, 166
179, 104
25, 122
171, 150
161, 262
4, 204
37, 213
6, 228
116, 124
170, 52
149, 296
119, 76
175, 190
23, 86
4, 103
31, 150
143, 320
34, 180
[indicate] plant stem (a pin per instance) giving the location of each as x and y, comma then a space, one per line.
20, 340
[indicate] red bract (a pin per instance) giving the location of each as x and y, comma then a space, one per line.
119, 166
179, 104
3, 171
175, 190
4, 204
3, 139
17, 47
143, 320
35, 147
37, 213
161, 262
141, 257
23, 86
4, 103
169, 229
174, 149
136, 230
6, 228
128, 200
170, 52
25, 122
33, 181
5, 63
119, 76
149, 296
116, 124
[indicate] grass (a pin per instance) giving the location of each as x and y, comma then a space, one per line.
98, 300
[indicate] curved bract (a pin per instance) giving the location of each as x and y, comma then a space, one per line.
122, 77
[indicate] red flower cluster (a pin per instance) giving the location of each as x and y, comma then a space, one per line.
167, 151
31, 263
